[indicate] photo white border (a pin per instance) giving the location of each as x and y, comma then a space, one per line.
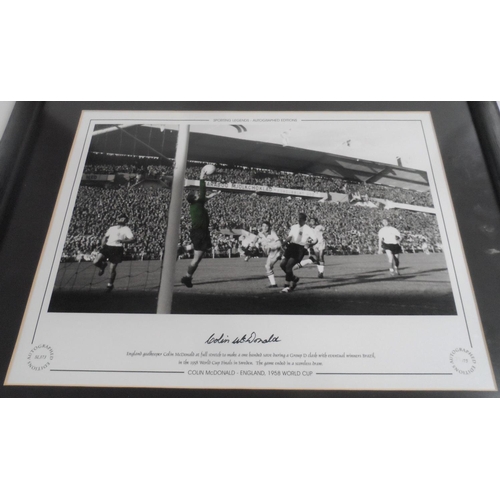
412, 353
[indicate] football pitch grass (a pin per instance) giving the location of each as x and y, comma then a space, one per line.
353, 285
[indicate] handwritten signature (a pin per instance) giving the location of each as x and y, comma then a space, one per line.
250, 339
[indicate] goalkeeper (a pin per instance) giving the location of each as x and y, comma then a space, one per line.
200, 222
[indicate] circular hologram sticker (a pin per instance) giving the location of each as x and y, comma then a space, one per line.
463, 361
39, 357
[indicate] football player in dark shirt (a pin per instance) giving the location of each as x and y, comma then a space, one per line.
200, 233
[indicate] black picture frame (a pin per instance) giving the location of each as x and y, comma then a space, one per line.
36, 147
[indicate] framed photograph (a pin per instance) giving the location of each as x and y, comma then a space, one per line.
314, 247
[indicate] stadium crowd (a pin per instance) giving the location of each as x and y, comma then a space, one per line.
350, 229
262, 177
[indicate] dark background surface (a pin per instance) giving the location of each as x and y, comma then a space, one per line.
41, 166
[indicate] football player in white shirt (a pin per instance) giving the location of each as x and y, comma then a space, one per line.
317, 252
300, 238
271, 245
112, 248
248, 241
389, 239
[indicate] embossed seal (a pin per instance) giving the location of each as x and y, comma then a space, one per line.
463, 361
39, 357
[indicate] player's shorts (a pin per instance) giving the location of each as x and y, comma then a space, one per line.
250, 251
201, 239
392, 247
274, 254
295, 252
319, 247
113, 254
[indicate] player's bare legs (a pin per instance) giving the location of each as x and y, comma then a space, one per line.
321, 263
396, 263
193, 265
312, 259
100, 263
393, 268
112, 275
290, 280
271, 260
283, 267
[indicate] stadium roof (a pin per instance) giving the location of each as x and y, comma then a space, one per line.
153, 141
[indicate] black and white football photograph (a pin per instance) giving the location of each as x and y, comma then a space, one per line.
261, 216
230, 249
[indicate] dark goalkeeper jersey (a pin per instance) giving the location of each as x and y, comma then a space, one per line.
199, 214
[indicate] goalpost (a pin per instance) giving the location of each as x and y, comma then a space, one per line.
164, 305
173, 228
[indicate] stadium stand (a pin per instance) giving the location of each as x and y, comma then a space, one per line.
350, 228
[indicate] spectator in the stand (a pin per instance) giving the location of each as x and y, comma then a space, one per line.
271, 178
352, 228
